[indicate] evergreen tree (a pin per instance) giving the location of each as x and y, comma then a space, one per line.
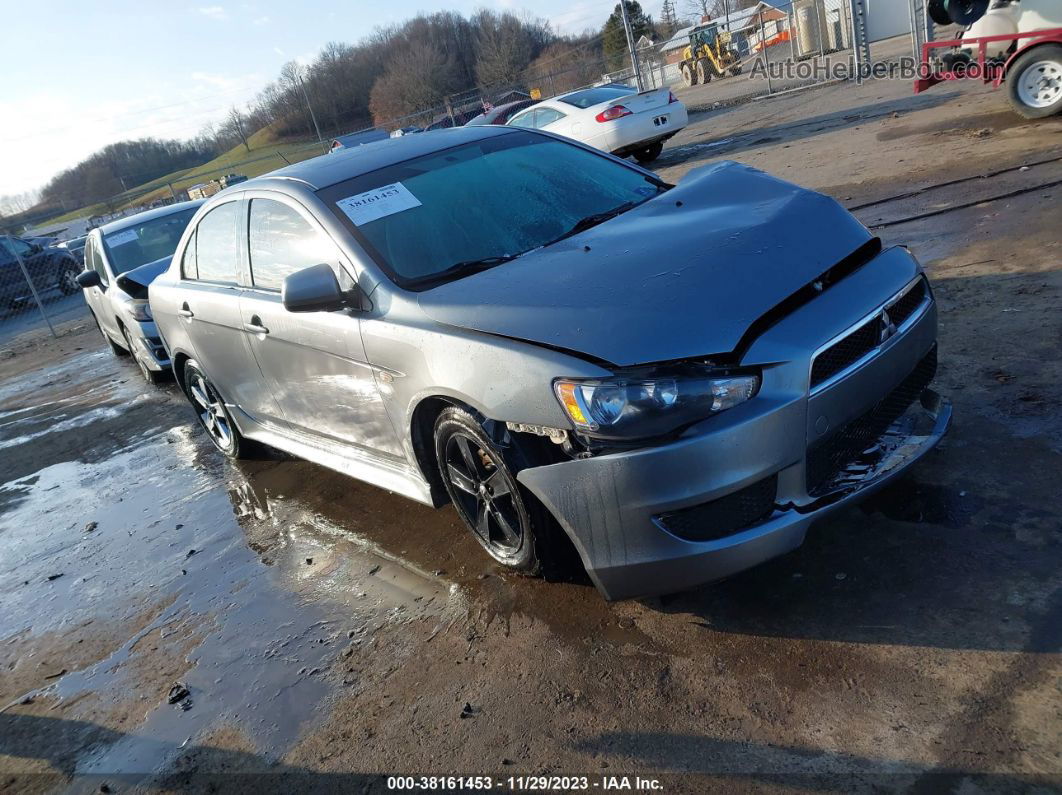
614, 38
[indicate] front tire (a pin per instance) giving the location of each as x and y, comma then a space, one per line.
1034, 82
116, 349
480, 477
153, 377
211, 412
649, 153
704, 74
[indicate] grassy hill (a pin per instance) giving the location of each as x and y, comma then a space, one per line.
266, 154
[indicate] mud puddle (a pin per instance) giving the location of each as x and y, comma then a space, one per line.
195, 573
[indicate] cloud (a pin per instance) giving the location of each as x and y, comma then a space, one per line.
214, 12
261, 21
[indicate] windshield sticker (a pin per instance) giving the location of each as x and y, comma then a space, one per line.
378, 203
121, 238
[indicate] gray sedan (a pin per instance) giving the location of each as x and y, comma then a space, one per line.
673, 380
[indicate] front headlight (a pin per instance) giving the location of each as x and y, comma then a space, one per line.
142, 312
622, 407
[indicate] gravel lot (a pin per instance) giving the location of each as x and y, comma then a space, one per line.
324, 626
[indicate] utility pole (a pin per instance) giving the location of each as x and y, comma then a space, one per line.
309, 107
630, 46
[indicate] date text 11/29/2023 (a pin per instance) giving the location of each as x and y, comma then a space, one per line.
523, 783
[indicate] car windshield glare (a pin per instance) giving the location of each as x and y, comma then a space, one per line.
139, 244
480, 203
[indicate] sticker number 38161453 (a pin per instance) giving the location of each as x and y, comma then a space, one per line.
378, 203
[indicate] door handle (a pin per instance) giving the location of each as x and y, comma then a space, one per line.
255, 326
184, 311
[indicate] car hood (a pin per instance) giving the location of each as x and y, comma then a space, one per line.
136, 281
682, 275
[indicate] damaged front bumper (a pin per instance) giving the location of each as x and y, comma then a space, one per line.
745, 485
151, 351
628, 552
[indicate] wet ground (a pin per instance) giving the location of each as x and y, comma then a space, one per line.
316, 625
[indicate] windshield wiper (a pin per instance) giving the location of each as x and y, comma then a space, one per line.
593, 220
464, 268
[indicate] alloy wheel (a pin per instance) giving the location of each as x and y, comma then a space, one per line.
68, 281
484, 494
211, 411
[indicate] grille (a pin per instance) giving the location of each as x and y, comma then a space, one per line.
904, 306
727, 515
847, 351
859, 438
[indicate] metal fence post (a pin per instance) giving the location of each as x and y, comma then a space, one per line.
763, 54
33, 288
789, 17
860, 45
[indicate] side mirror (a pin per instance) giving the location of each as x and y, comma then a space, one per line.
88, 279
313, 289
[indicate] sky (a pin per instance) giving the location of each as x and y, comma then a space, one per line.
76, 76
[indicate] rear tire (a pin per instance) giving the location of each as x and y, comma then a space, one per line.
649, 153
1034, 82
480, 478
688, 76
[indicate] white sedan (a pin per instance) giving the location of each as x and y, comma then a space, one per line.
614, 118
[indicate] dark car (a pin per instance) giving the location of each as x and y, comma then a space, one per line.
502, 113
49, 268
76, 247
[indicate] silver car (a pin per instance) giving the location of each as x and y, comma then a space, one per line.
121, 260
675, 380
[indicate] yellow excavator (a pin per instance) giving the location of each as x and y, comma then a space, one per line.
709, 54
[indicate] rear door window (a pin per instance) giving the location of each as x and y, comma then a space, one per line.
547, 116
526, 119
215, 247
281, 241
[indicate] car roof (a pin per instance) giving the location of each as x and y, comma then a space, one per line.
343, 164
148, 215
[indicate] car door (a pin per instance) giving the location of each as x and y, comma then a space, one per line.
209, 306
313, 363
97, 297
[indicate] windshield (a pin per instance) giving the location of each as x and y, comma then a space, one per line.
481, 203
138, 244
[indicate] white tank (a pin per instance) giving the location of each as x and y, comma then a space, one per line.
1017, 17
995, 22
1039, 14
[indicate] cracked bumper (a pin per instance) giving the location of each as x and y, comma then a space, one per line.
609, 505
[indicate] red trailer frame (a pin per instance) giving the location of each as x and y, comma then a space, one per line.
988, 72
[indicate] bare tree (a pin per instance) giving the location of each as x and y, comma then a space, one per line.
234, 124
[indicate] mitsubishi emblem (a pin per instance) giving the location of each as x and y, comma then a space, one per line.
888, 328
